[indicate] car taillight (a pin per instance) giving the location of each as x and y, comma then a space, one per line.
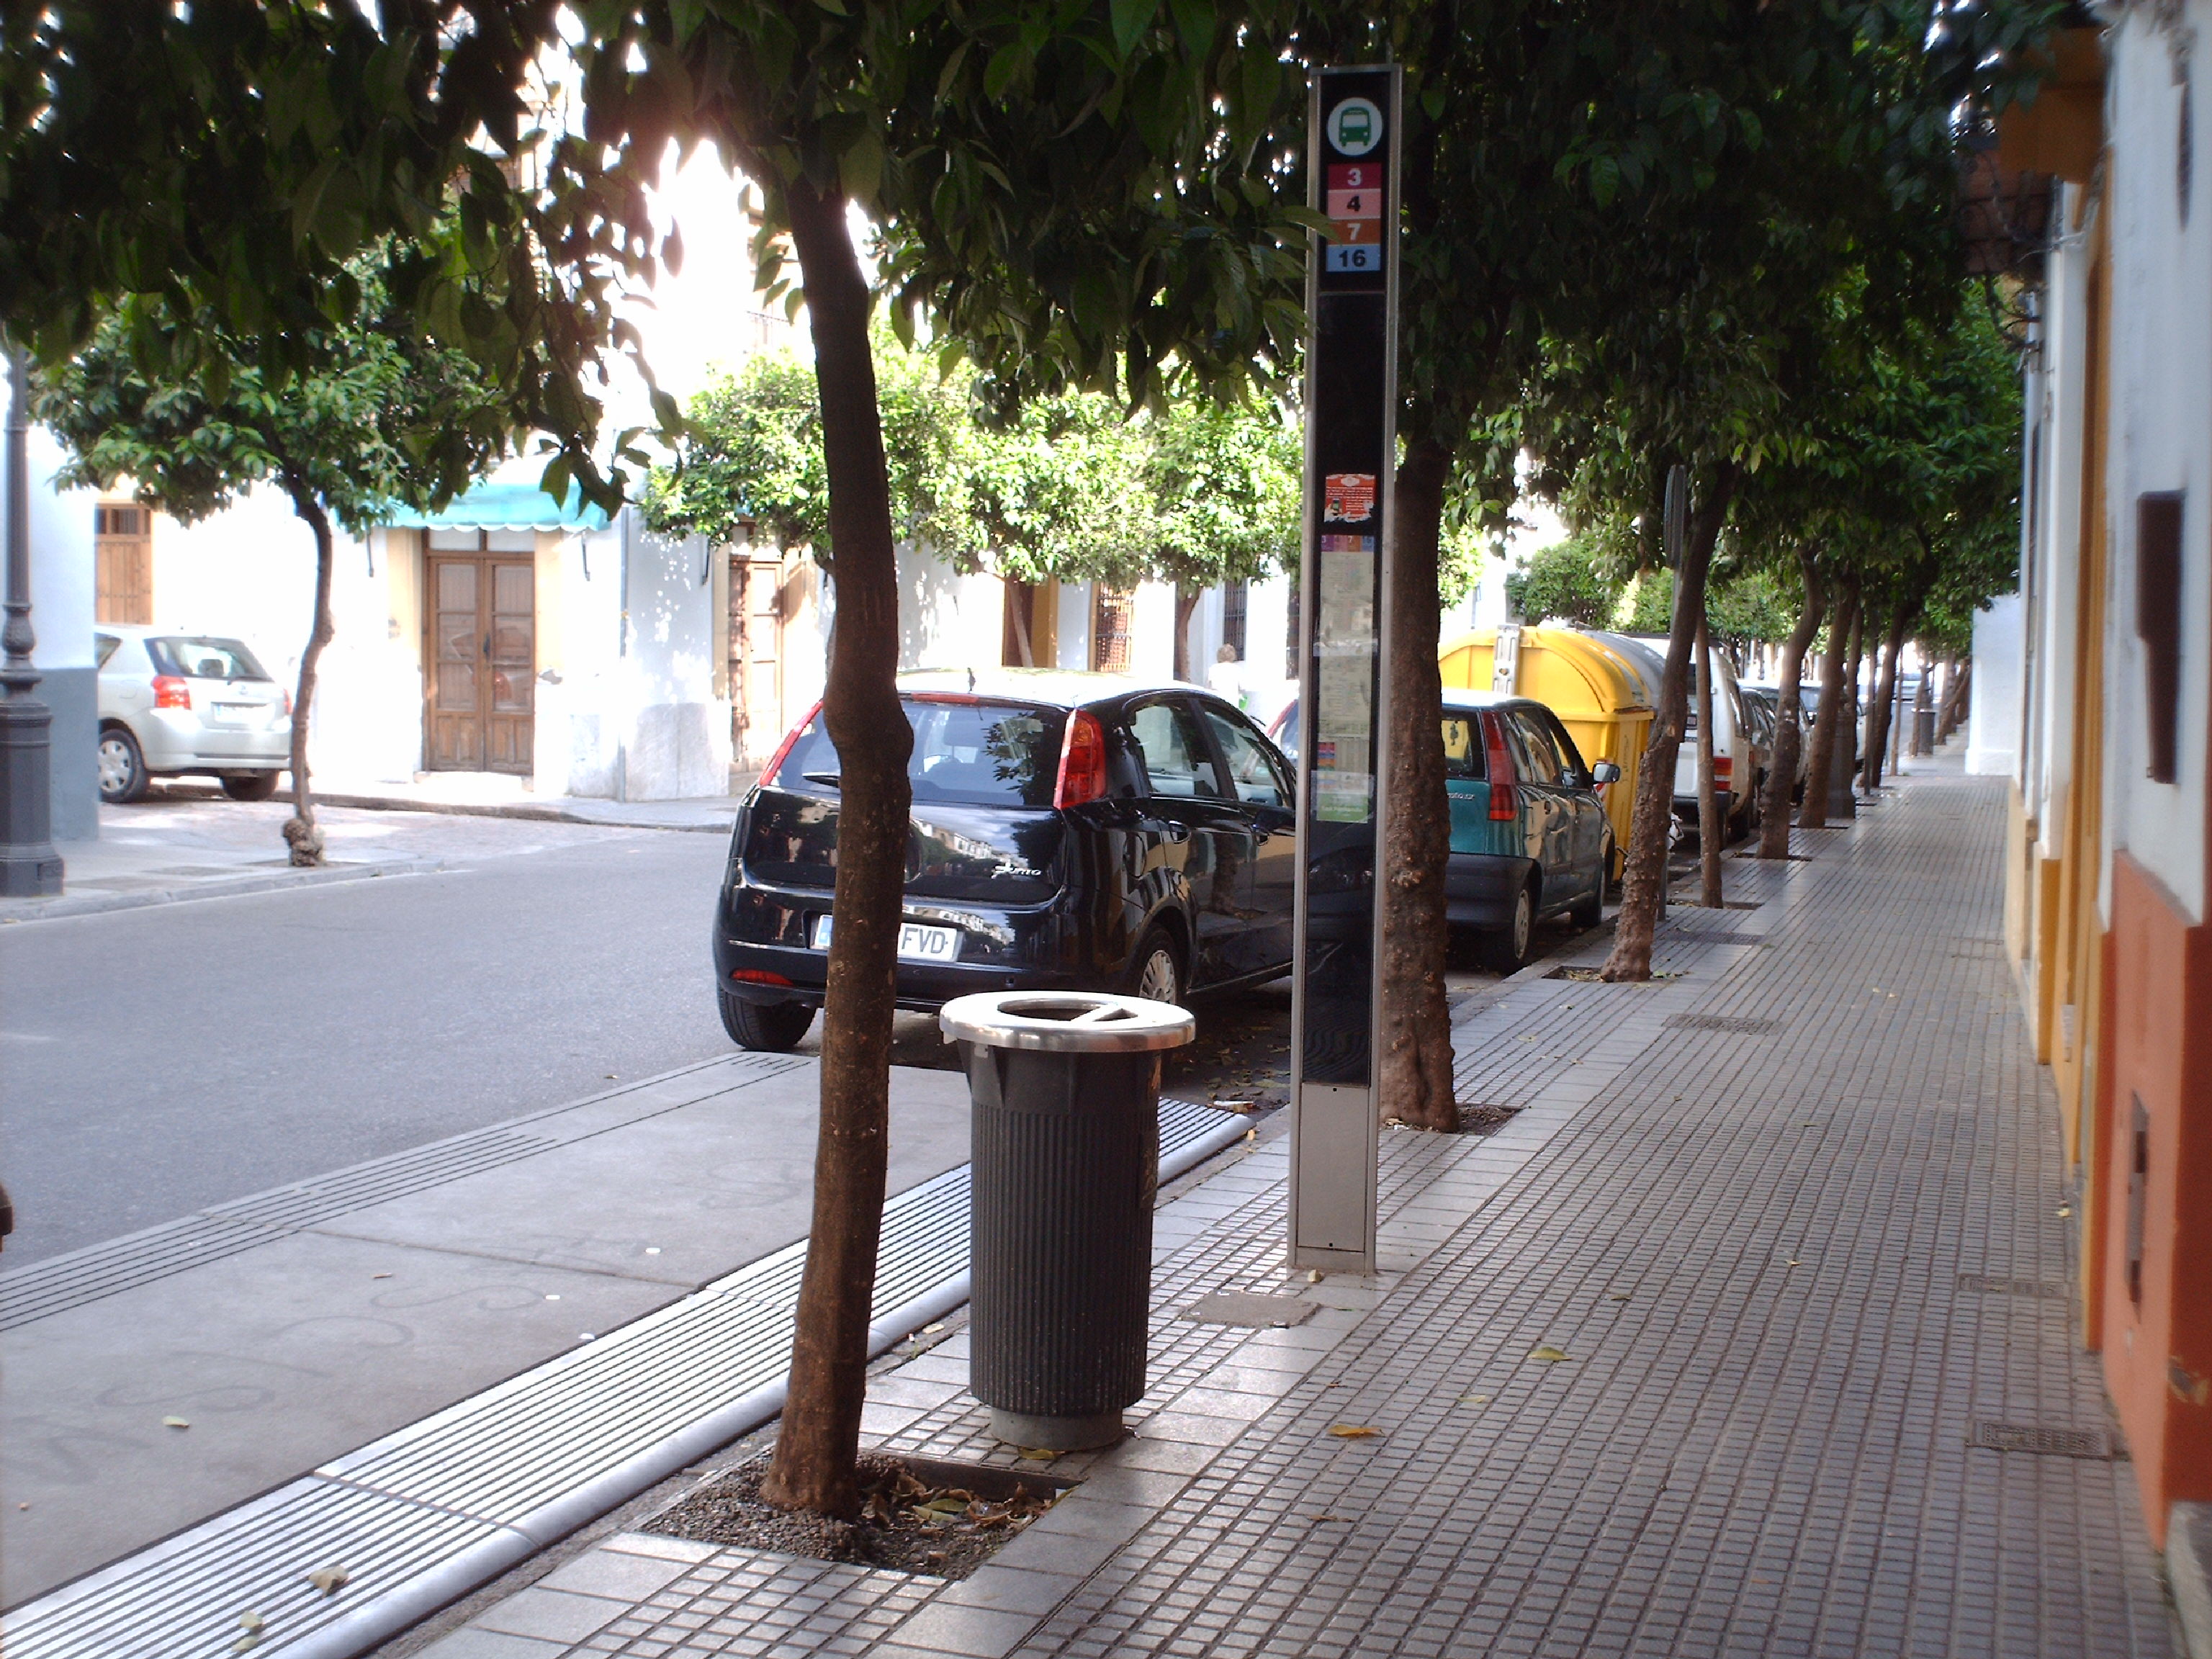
758, 976
1723, 770
172, 692
1082, 762
1504, 782
286, 709
789, 738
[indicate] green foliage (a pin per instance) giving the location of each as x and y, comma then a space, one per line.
1751, 605
1564, 582
1078, 196
1651, 605
1071, 486
362, 419
235, 171
1225, 485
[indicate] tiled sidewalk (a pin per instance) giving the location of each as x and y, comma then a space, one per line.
1793, 1217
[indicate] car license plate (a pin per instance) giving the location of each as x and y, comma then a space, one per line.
237, 713
916, 942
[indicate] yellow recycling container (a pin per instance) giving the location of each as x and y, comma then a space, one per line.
1599, 696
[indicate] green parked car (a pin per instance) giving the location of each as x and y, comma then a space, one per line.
1529, 835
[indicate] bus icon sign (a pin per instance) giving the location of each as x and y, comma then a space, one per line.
1355, 126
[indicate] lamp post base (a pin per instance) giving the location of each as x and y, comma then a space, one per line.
29, 865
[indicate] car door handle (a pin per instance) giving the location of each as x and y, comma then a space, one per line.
1174, 832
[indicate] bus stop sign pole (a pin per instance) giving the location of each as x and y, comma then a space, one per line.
1352, 401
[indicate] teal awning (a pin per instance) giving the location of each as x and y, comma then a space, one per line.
507, 507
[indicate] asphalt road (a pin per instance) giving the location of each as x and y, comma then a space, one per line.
155, 1061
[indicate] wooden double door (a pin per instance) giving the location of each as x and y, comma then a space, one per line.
481, 662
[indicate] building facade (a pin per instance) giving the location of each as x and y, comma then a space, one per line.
2107, 668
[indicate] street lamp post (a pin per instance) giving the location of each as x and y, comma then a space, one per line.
29, 865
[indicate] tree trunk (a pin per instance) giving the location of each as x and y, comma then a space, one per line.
1643, 885
1414, 1073
1789, 716
1956, 686
1854, 710
1709, 798
1828, 721
302, 833
813, 1467
1882, 713
1187, 599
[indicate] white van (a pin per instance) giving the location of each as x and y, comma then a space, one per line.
1739, 764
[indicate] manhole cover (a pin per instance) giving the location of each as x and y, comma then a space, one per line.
1737, 1024
1252, 1308
2046, 1289
2036, 1438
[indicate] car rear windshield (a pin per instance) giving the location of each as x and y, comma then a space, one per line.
985, 754
204, 659
1465, 756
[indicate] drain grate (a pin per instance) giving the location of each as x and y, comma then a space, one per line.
1735, 1024
2039, 1439
2046, 1289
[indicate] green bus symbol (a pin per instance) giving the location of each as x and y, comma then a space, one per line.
1355, 129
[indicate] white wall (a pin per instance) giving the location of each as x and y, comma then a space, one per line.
1993, 695
2161, 431
63, 589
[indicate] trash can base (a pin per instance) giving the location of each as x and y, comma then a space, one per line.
1057, 1433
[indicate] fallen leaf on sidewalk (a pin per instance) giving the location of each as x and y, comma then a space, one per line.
1039, 1454
1352, 1432
251, 1620
1618, 1296
329, 1580
1548, 1354
1474, 1399
1329, 1517
1313, 1275
2066, 1209
175, 1423
379, 1275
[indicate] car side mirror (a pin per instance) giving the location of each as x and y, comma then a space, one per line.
1605, 772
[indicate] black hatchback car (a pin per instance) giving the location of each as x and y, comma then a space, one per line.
1071, 831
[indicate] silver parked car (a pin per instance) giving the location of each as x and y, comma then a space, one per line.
173, 702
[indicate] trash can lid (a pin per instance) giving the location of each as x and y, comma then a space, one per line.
1066, 1021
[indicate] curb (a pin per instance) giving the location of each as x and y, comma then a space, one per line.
92, 904
526, 810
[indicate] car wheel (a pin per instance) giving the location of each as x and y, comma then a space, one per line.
123, 776
1591, 911
1507, 949
765, 1027
249, 785
1156, 972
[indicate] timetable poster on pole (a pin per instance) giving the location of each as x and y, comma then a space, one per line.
1352, 361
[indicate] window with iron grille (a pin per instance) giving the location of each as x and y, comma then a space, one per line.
1235, 596
1113, 619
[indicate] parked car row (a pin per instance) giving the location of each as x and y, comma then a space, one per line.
1073, 830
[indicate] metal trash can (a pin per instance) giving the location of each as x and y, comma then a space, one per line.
1066, 1088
